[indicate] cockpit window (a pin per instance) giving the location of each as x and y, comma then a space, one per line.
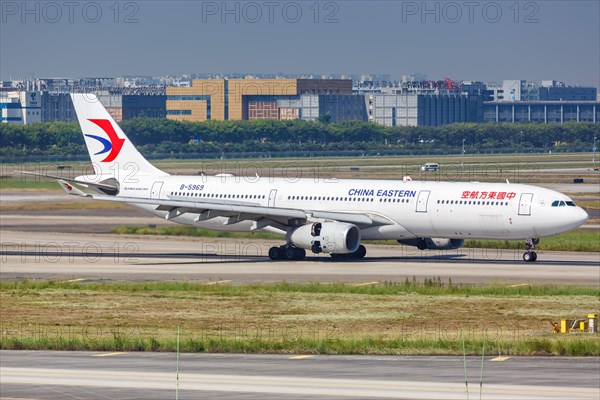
560, 203
555, 203
571, 204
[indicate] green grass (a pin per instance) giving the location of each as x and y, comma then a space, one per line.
411, 318
28, 183
587, 240
589, 204
555, 345
509, 159
429, 286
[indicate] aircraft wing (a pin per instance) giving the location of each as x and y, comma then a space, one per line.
237, 212
102, 186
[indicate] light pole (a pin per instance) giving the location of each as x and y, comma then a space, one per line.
462, 164
594, 153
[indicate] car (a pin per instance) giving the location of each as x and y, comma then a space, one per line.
430, 167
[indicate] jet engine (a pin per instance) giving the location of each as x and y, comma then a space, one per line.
434, 243
326, 237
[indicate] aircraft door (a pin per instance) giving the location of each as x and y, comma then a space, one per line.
272, 196
525, 204
422, 201
155, 192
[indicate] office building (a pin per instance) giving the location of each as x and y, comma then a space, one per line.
237, 99
20, 107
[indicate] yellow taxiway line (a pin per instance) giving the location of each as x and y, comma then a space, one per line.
108, 354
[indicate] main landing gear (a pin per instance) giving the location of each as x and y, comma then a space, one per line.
291, 253
530, 255
286, 253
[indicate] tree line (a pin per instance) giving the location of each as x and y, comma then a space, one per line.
155, 136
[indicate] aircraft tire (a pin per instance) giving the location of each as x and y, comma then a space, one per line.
290, 253
275, 253
360, 253
300, 253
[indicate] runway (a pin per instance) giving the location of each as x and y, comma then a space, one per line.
75, 245
60, 375
107, 257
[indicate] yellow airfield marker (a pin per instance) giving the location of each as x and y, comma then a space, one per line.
107, 354
300, 357
501, 358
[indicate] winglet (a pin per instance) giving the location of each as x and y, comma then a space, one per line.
67, 187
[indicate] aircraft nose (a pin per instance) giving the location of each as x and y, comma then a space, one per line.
580, 216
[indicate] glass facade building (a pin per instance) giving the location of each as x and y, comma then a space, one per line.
412, 109
542, 112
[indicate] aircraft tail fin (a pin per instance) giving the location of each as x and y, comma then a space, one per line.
109, 148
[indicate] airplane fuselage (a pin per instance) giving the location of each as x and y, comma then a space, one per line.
320, 215
417, 208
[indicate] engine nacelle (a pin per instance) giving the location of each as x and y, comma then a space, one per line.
326, 237
434, 243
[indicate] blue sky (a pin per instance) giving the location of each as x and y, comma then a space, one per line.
471, 40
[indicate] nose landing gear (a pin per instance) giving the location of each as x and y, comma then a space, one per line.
530, 255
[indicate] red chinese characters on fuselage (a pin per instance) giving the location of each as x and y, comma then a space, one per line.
476, 195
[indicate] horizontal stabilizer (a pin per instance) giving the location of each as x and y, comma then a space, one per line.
105, 186
67, 187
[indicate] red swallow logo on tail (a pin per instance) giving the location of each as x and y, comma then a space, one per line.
114, 142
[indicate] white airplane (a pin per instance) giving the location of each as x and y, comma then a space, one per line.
322, 216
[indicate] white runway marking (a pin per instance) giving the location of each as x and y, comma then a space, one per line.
362, 388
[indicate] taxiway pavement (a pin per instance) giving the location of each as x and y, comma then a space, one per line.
107, 257
60, 375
